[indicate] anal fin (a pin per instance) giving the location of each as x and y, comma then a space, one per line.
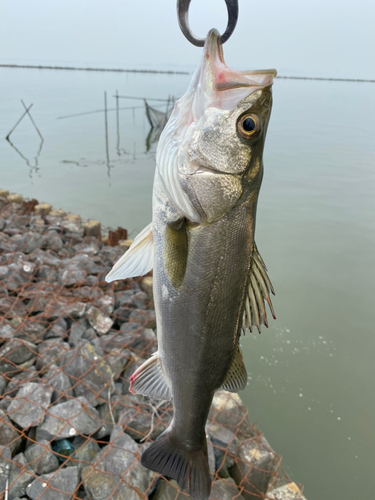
149, 380
136, 261
236, 377
258, 293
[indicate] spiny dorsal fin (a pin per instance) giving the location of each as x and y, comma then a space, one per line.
136, 261
149, 379
259, 288
236, 377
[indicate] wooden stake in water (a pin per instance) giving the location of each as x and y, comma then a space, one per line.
117, 124
32, 121
19, 121
106, 126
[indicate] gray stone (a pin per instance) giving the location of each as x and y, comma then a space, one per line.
51, 351
211, 456
29, 407
20, 477
58, 329
59, 380
55, 486
48, 258
123, 298
66, 308
86, 450
118, 359
227, 409
40, 458
145, 317
71, 276
47, 273
16, 275
5, 463
108, 415
11, 307
69, 419
105, 303
224, 446
3, 384
168, 490
15, 352
52, 241
6, 330
225, 490
89, 372
87, 292
109, 476
33, 329
137, 422
27, 242
99, 321
29, 375
2, 224
288, 491
121, 340
9, 435
254, 466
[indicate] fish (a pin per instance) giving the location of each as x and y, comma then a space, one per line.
209, 280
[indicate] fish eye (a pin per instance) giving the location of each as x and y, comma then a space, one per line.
248, 126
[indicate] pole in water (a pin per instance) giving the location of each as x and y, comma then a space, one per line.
32, 121
117, 124
24, 114
106, 126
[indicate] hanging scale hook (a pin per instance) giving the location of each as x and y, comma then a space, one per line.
183, 21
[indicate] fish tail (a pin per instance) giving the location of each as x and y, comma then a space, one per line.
189, 468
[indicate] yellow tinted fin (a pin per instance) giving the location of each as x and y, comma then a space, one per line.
236, 377
258, 293
149, 379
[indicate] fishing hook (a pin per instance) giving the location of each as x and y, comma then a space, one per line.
183, 21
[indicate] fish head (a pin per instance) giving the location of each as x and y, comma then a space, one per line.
210, 153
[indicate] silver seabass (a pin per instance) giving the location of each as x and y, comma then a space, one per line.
209, 280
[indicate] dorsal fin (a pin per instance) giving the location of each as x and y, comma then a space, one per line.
258, 293
236, 377
136, 261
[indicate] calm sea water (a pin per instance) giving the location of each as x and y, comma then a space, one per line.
312, 373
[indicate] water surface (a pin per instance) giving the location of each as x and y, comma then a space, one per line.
311, 374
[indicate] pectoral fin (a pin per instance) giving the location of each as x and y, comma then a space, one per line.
149, 380
136, 261
259, 289
236, 377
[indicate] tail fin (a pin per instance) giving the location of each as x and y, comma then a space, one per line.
189, 468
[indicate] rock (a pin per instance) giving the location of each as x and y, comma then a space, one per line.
92, 228
20, 477
46, 273
4, 193
57, 213
288, 491
29, 407
145, 317
105, 303
69, 419
71, 276
15, 352
108, 476
89, 373
58, 485
9, 435
51, 351
99, 321
254, 466
120, 340
17, 274
86, 450
52, 241
124, 298
147, 284
3, 384
58, 329
81, 330
48, 258
137, 422
224, 446
27, 242
15, 198
118, 359
59, 380
227, 409
32, 329
5, 463
11, 307
40, 458
29, 375
6, 330
225, 490
169, 490
42, 209
87, 292
65, 308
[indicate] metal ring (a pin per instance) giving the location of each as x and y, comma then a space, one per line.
183, 21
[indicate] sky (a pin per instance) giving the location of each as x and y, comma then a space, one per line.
319, 38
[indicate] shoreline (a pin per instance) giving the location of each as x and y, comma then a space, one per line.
69, 342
